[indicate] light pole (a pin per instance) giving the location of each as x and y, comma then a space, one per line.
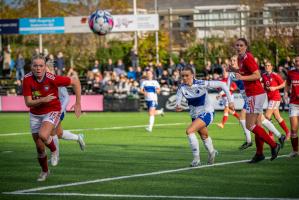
157, 34
136, 33
40, 35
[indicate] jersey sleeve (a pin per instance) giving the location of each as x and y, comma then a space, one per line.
223, 86
179, 96
278, 79
251, 64
26, 87
61, 81
157, 84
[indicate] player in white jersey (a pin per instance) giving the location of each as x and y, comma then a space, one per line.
150, 88
59, 133
201, 111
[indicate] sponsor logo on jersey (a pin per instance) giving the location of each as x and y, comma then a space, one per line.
46, 88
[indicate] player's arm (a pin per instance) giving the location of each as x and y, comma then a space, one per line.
36, 102
225, 89
286, 91
75, 83
256, 75
179, 97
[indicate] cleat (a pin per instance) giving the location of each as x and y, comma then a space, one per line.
293, 154
162, 112
288, 135
274, 151
81, 141
257, 158
54, 158
281, 140
195, 163
220, 125
245, 145
43, 176
148, 129
211, 157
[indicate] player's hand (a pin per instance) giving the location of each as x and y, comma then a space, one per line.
77, 109
239, 76
178, 109
231, 105
271, 89
48, 98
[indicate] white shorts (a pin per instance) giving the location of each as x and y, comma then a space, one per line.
37, 120
255, 103
273, 105
293, 110
225, 100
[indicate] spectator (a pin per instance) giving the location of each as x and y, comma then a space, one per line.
216, 67
46, 54
72, 73
138, 73
20, 64
176, 78
120, 64
207, 72
134, 58
108, 89
181, 65
165, 79
59, 64
6, 61
165, 90
97, 83
159, 71
89, 82
122, 88
192, 65
134, 89
120, 68
110, 66
171, 66
131, 73
19, 87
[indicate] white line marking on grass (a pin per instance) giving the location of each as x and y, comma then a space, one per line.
127, 177
6, 151
109, 128
153, 196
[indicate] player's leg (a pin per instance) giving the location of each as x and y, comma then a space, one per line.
224, 118
294, 120
151, 112
272, 129
191, 130
253, 122
234, 113
41, 156
282, 123
208, 144
248, 142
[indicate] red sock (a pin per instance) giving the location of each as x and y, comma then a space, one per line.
224, 119
51, 146
236, 115
284, 126
263, 135
259, 143
43, 162
294, 142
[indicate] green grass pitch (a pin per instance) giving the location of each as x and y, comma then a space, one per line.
120, 155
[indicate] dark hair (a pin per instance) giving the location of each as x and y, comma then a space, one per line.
188, 68
243, 40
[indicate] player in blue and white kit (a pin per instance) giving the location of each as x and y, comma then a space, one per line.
201, 111
59, 133
150, 88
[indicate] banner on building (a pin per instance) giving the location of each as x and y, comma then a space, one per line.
41, 25
9, 26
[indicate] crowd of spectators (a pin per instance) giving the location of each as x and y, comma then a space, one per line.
117, 80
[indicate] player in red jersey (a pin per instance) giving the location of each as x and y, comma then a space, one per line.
248, 72
273, 83
232, 87
292, 86
40, 90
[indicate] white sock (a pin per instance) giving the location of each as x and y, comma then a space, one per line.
271, 127
194, 145
208, 144
151, 122
246, 131
68, 135
56, 142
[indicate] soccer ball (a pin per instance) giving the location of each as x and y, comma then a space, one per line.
100, 22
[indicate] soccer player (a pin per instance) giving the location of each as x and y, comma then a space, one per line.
201, 111
150, 88
273, 83
40, 90
248, 72
232, 87
292, 86
58, 132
